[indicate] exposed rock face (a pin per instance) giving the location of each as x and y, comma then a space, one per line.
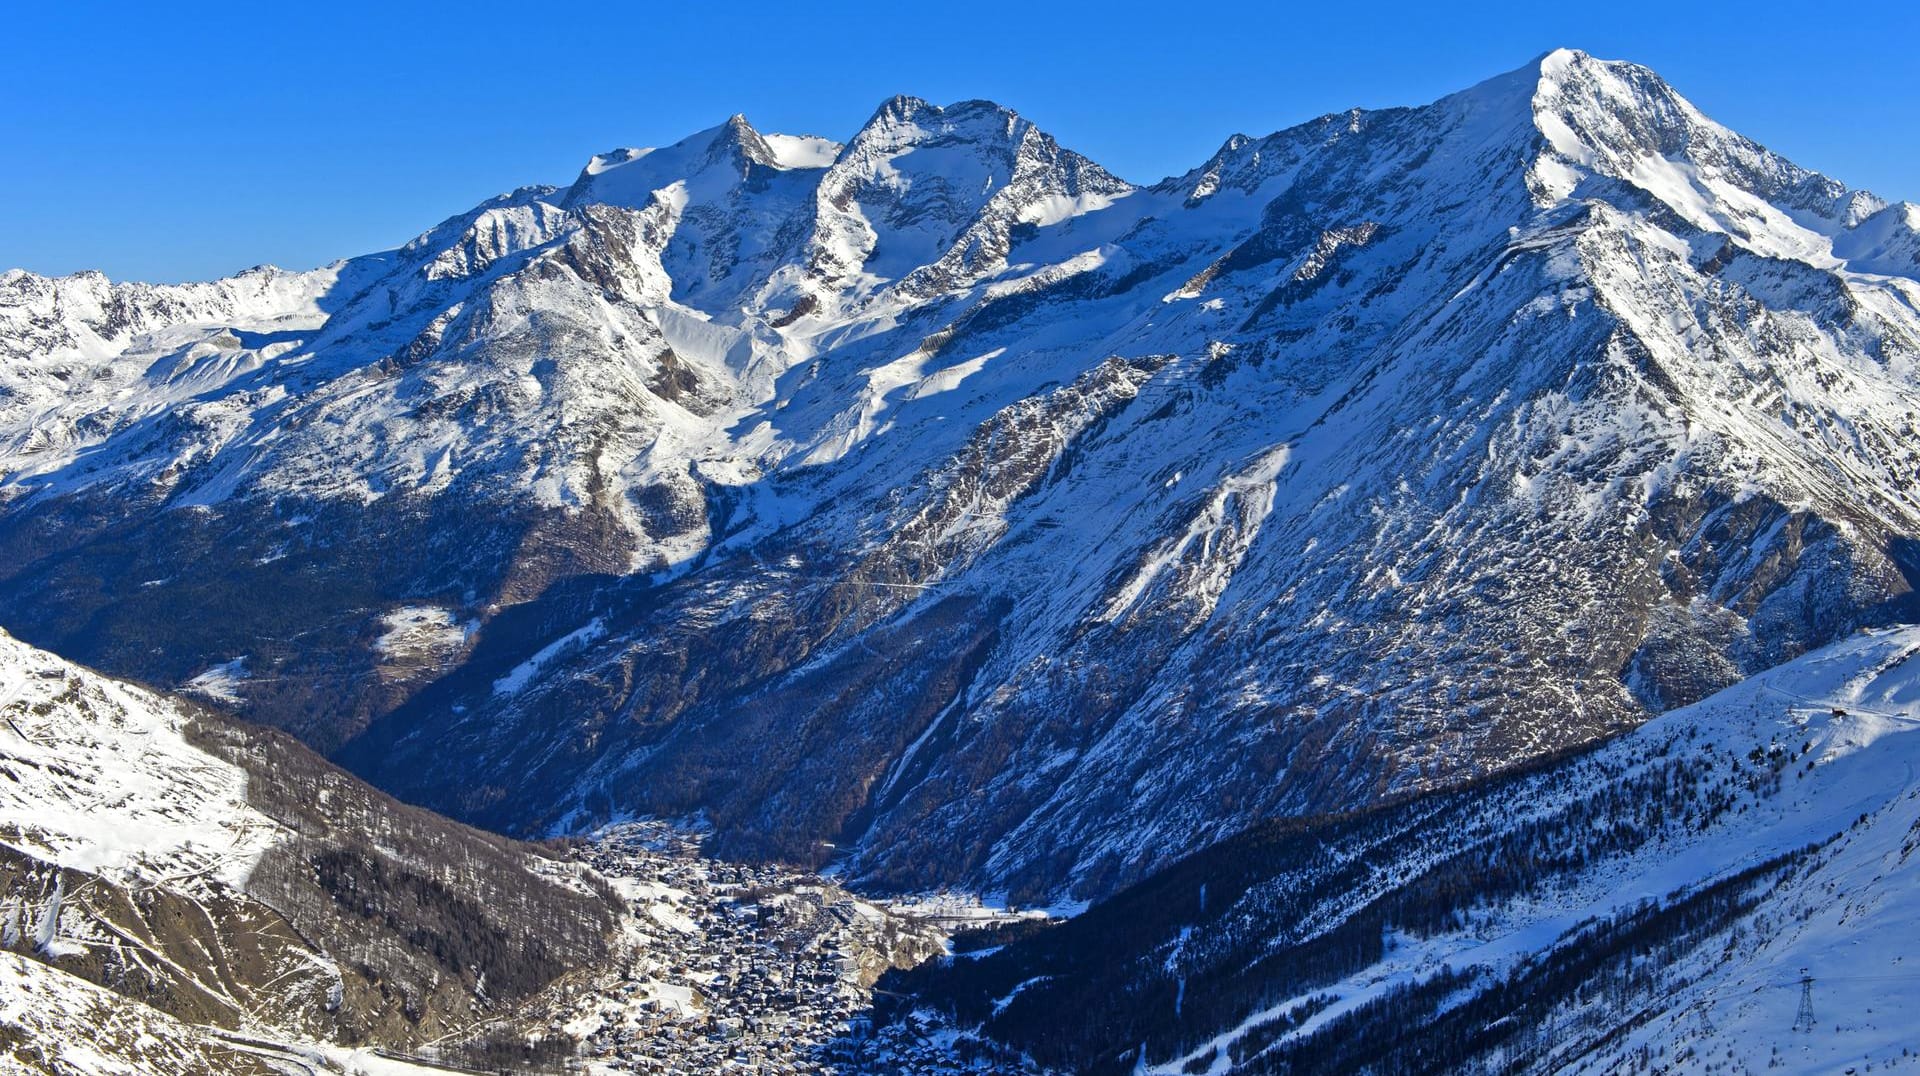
943, 498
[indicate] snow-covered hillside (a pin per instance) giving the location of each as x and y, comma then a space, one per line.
182, 896
178, 894
937, 501
170, 810
1649, 906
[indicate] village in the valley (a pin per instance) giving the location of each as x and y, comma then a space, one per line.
753, 969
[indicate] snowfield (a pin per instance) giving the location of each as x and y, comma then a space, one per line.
101, 779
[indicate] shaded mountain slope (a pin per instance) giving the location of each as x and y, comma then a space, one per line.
1650, 903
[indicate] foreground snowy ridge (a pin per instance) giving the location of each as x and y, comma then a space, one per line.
938, 501
101, 778
1838, 726
1651, 905
160, 918
181, 896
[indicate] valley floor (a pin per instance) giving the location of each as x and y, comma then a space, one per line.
748, 969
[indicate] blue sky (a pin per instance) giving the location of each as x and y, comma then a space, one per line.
166, 142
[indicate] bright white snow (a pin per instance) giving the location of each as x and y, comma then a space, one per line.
102, 779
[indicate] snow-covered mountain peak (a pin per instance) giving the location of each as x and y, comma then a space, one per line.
1604, 113
728, 152
983, 128
925, 198
960, 155
896, 110
903, 120
1622, 122
1235, 160
450, 232
739, 133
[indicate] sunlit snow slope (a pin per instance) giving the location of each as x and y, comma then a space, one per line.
179, 894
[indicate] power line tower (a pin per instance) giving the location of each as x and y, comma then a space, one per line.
1803, 1020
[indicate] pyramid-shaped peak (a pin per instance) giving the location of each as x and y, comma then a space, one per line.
901, 105
1594, 110
1589, 110
629, 176
1621, 119
1566, 71
738, 134
1621, 82
734, 135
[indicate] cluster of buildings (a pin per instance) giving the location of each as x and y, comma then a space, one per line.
745, 969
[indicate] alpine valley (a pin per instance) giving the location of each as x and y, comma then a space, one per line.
1422, 591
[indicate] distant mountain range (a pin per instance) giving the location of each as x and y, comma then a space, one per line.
941, 507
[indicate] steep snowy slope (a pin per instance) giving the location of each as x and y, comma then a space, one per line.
53, 1022
179, 886
183, 895
169, 802
1651, 905
941, 502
